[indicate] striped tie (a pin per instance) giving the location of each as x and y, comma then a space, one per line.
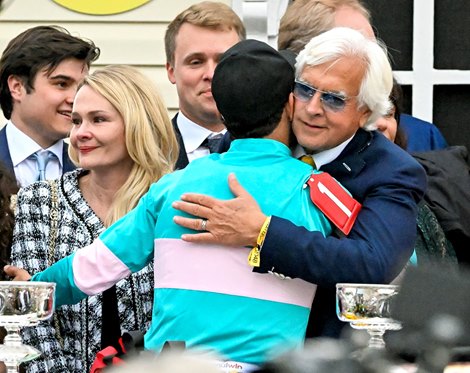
309, 160
42, 159
212, 143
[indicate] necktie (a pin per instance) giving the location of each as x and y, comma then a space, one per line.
308, 159
212, 142
42, 159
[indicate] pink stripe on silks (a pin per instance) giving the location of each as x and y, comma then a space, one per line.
96, 268
184, 265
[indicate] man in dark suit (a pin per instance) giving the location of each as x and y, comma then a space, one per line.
343, 80
40, 70
194, 42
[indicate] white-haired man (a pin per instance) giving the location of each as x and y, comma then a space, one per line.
343, 80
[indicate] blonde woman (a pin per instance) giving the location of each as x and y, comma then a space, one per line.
123, 141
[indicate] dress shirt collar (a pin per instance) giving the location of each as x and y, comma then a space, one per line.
193, 134
324, 157
21, 146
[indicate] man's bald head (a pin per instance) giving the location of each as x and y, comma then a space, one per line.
305, 19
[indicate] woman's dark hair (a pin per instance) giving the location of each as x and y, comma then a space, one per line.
8, 187
396, 97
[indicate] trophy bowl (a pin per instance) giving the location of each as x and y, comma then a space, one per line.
367, 306
22, 303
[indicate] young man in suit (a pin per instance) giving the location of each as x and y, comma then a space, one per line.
194, 42
343, 80
40, 70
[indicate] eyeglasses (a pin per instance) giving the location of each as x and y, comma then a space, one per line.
331, 101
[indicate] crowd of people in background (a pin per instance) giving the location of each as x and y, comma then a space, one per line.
203, 229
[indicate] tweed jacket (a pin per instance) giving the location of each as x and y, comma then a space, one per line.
80, 324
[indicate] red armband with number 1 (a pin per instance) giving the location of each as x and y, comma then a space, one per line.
334, 201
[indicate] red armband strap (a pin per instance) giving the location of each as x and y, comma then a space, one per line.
334, 201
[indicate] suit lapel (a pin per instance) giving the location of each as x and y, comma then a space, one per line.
350, 162
183, 160
5, 151
66, 162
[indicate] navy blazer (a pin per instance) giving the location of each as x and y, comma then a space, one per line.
5, 157
388, 183
183, 160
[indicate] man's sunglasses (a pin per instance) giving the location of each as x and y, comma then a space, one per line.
331, 101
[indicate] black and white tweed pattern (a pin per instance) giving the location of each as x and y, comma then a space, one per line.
80, 324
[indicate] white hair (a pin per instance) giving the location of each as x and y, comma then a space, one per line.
341, 42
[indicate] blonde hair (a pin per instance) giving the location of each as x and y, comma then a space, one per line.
149, 134
206, 14
305, 19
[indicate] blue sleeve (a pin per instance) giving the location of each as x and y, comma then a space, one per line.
378, 246
437, 140
421, 136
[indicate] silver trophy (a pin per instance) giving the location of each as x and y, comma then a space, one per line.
367, 306
22, 303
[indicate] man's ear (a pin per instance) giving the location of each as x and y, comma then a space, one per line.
16, 87
364, 117
290, 107
170, 70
